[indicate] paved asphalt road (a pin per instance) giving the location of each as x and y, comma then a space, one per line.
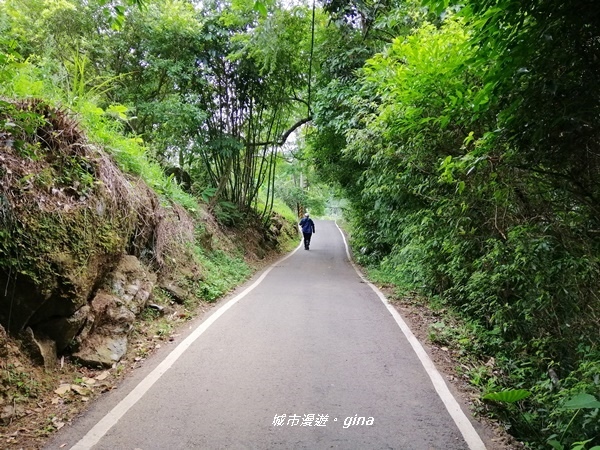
311, 341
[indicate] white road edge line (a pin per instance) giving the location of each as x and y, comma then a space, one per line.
96, 433
469, 433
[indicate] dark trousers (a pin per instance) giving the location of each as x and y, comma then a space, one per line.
307, 237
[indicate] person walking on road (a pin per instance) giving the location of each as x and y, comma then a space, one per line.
308, 228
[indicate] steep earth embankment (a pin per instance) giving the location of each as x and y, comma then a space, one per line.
84, 248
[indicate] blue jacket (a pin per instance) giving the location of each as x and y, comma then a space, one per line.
308, 226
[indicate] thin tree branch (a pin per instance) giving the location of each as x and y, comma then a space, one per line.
284, 136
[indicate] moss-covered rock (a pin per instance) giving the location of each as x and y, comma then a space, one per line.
83, 244
68, 216
62, 227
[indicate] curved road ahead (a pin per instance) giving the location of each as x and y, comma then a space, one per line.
310, 358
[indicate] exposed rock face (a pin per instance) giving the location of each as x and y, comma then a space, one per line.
63, 330
99, 329
102, 351
82, 243
178, 294
67, 217
42, 350
113, 310
63, 227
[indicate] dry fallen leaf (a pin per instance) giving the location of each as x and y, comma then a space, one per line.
103, 376
63, 389
80, 389
88, 381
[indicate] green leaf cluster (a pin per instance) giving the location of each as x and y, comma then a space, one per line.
468, 149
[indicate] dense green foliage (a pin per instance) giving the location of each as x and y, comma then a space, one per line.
468, 147
213, 91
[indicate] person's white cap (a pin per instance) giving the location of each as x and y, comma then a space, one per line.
306, 215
